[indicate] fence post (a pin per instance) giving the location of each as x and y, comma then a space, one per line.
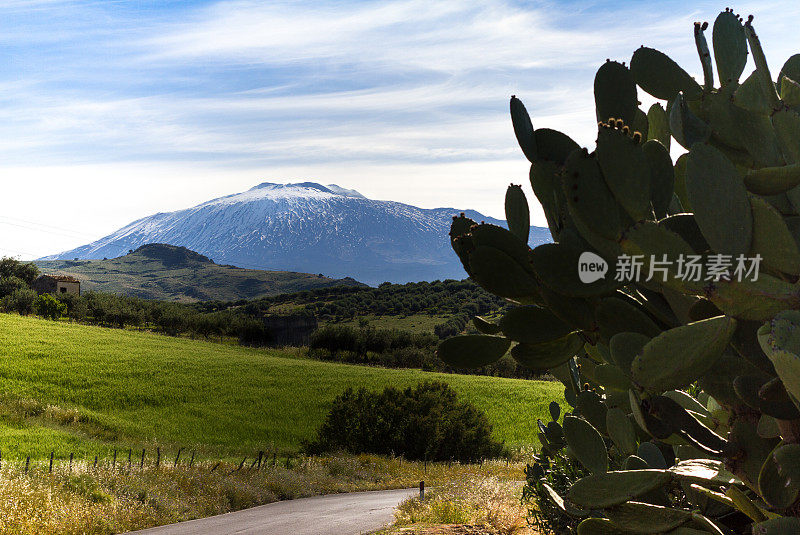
51, 462
191, 462
141, 464
422, 491
71, 454
275, 458
27, 463
260, 456
1, 458
158, 457
130, 453
95, 462
114, 462
177, 457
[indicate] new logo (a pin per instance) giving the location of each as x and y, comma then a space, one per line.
591, 267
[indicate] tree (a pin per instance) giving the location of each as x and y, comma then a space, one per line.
49, 307
20, 300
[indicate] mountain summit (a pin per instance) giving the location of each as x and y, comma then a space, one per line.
305, 227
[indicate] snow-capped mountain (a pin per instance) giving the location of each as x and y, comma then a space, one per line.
305, 227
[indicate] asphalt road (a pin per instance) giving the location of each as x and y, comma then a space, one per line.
353, 513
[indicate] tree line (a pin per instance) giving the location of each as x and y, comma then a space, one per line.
395, 348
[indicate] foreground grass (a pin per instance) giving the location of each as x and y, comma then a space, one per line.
469, 504
105, 500
76, 388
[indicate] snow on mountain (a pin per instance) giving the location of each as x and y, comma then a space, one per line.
305, 227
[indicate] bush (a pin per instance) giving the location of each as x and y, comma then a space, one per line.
77, 307
558, 473
49, 307
9, 284
252, 332
20, 301
427, 422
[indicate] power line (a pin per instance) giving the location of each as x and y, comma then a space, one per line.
16, 252
21, 223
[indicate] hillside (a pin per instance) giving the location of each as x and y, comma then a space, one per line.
306, 227
68, 387
171, 273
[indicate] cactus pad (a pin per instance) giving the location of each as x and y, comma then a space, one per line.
473, 350
675, 358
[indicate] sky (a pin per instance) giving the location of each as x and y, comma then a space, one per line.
113, 110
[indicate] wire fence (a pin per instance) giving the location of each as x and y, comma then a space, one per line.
131, 460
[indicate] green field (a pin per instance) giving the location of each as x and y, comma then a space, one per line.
69, 387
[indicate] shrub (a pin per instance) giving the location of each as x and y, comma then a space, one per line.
20, 301
77, 307
425, 422
252, 332
49, 307
9, 284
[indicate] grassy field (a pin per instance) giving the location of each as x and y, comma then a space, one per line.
68, 387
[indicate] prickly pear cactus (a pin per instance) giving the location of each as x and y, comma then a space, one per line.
669, 303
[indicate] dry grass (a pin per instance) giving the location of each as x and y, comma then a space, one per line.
473, 505
85, 500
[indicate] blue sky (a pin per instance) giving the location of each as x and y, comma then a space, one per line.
113, 110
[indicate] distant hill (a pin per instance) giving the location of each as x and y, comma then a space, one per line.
307, 227
172, 273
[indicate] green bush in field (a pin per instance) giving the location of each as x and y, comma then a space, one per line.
426, 422
76, 305
49, 307
20, 301
9, 284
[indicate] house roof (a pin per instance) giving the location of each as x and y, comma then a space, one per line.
61, 278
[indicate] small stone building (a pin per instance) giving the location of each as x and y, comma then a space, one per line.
57, 284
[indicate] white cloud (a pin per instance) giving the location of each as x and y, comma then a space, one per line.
147, 110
